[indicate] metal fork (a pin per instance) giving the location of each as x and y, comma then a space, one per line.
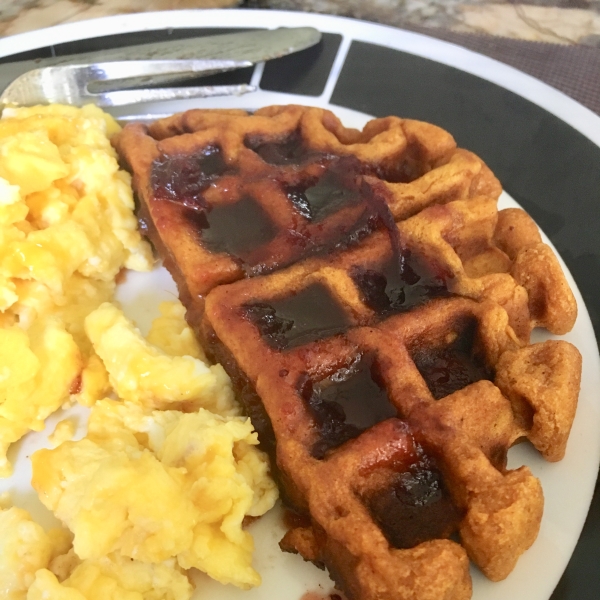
74, 84
123, 75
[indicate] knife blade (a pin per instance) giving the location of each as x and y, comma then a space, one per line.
253, 46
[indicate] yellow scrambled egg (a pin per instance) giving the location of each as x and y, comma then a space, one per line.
147, 494
66, 230
64, 430
37, 565
168, 469
156, 485
150, 374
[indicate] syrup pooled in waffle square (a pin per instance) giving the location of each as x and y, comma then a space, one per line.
289, 181
373, 309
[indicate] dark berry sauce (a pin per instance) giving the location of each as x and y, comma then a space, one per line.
447, 369
183, 177
287, 151
237, 228
346, 403
415, 506
310, 315
334, 190
399, 284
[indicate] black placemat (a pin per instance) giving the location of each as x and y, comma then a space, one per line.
574, 70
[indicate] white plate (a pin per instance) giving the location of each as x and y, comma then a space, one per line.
568, 485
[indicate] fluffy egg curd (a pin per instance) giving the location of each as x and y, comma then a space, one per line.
126, 355
168, 470
67, 228
157, 485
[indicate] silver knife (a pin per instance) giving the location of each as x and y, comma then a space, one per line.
251, 46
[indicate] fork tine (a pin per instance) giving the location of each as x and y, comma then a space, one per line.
123, 97
128, 69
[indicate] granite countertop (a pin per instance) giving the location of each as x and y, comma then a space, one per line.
566, 22
554, 21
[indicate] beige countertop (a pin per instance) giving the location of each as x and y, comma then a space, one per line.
555, 21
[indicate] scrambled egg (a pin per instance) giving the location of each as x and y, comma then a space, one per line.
24, 547
168, 470
37, 565
146, 374
200, 468
147, 494
64, 431
66, 230
154, 485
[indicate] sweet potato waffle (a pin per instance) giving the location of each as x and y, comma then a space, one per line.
374, 310
285, 192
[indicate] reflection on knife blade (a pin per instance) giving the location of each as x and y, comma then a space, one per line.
252, 46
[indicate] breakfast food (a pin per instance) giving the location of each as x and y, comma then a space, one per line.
168, 470
66, 230
280, 215
173, 379
374, 310
201, 469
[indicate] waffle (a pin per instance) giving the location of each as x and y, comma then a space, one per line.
280, 179
380, 268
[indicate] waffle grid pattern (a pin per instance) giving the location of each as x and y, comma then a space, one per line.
378, 267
